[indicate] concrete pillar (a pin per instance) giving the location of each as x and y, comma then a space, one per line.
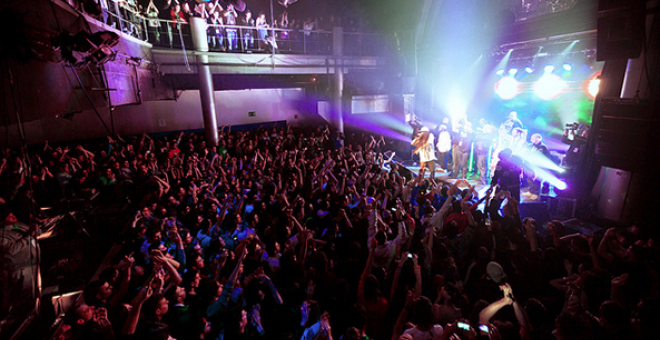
337, 120
198, 28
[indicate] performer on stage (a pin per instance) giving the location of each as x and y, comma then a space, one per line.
444, 146
486, 135
425, 147
511, 133
511, 123
463, 144
512, 136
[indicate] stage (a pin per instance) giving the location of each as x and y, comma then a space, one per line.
480, 188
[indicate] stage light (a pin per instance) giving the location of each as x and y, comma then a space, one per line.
567, 67
548, 69
513, 71
592, 85
507, 88
549, 86
499, 72
528, 69
561, 185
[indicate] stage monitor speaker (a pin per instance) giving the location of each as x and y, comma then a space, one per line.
620, 29
536, 210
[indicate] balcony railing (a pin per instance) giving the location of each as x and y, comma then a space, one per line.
239, 39
248, 39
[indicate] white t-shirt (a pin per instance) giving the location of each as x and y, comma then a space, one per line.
434, 333
427, 153
444, 141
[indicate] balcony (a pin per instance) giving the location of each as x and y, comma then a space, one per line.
236, 49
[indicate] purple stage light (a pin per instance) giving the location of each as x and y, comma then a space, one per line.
561, 185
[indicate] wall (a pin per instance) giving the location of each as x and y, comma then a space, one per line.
232, 108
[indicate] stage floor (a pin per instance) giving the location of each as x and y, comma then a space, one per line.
525, 196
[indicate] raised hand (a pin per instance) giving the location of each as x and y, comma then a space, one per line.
620, 281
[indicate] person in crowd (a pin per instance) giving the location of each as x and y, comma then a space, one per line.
538, 151
507, 173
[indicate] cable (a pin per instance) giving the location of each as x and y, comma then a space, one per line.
107, 86
18, 108
183, 47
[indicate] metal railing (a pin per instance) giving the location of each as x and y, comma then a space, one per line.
236, 38
249, 39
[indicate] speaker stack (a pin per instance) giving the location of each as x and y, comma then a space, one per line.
620, 29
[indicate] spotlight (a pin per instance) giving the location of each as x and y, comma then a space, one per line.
528, 69
567, 67
499, 72
592, 85
561, 185
548, 69
507, 88
549, 86
513, 71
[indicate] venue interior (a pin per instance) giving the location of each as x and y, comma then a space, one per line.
319, 169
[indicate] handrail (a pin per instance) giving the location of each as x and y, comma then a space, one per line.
236, 38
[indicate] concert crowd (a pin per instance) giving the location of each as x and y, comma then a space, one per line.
286, 233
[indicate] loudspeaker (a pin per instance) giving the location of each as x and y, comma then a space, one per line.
620, 29
627, 138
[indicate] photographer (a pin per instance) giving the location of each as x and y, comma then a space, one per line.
576, 136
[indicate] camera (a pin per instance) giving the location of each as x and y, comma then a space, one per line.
573, 126
410, 256
484, 328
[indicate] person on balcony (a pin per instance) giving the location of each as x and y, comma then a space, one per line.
230, 20
308, 27
248, 33
262, 27
216, 31
176, 14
